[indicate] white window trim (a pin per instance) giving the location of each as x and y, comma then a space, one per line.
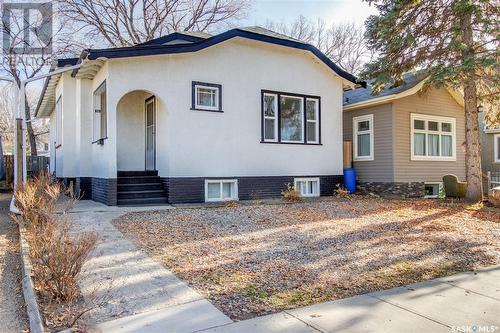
301, 117
314, 179
355, 121
59, 122
315, 121
453, 133
221, 181
204, 107
496, 137
439, 189
275, 118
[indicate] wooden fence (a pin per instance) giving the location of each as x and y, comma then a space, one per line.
35, 165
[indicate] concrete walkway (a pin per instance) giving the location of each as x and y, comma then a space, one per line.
135, 293
140, 295
467, 302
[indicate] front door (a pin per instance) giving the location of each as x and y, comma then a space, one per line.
150, 133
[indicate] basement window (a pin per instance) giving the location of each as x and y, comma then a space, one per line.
307, 187
221, 190
432, 190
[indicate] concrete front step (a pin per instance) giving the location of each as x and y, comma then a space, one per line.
138, 180
142, 201
141, 194
137, 173
140, 187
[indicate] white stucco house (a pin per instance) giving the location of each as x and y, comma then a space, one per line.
190, 117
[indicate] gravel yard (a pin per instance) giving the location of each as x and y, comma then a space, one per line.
254, 259
12, 310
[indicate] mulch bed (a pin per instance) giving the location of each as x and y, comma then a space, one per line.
256, 259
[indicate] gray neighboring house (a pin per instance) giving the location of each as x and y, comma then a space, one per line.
404, 139
490, 153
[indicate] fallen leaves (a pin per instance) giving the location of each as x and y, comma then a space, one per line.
251, 260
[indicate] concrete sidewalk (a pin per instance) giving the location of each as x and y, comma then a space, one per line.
135, 293
467, 302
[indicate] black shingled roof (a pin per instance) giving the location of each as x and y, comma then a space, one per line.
363, 94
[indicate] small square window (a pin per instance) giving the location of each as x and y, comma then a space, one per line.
446, 127
307, 187
364, 125
433, 126
206, 96
221, 190
419, 124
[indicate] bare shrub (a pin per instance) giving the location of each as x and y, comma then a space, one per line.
342, 192
231, 204
291, 194
57, 255
58, 258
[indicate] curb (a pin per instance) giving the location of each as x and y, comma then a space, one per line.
32, 308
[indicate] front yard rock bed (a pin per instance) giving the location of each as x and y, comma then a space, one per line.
254, 259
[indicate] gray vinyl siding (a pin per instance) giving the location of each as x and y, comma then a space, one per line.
381, 168
437, 102
487, 148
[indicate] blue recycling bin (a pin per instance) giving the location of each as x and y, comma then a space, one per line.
350, 179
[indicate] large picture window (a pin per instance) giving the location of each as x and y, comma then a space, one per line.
363, 137
100, 115
290, 118
432, 138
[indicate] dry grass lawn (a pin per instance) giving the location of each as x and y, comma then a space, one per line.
250, 260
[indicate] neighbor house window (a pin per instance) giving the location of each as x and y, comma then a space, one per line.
290, 118
59, 122
433, 138
206, 96
363, 137
496, 148
100, 114
307, 187
221, 189
432, 190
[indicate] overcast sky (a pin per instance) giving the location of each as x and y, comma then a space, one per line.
329, 10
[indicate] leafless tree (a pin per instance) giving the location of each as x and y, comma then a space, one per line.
128, 22
344, 43
20, 62
7, 115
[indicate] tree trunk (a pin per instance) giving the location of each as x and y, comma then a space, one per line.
472, 143
29, 129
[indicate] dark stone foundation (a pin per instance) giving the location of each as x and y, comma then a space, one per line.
407, 190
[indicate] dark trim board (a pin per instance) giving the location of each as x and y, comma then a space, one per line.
192, 189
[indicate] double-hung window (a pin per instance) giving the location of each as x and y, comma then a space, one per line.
59, 120
496, 148
100, 114
206, 96
363, 137
290, 118
432, 138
